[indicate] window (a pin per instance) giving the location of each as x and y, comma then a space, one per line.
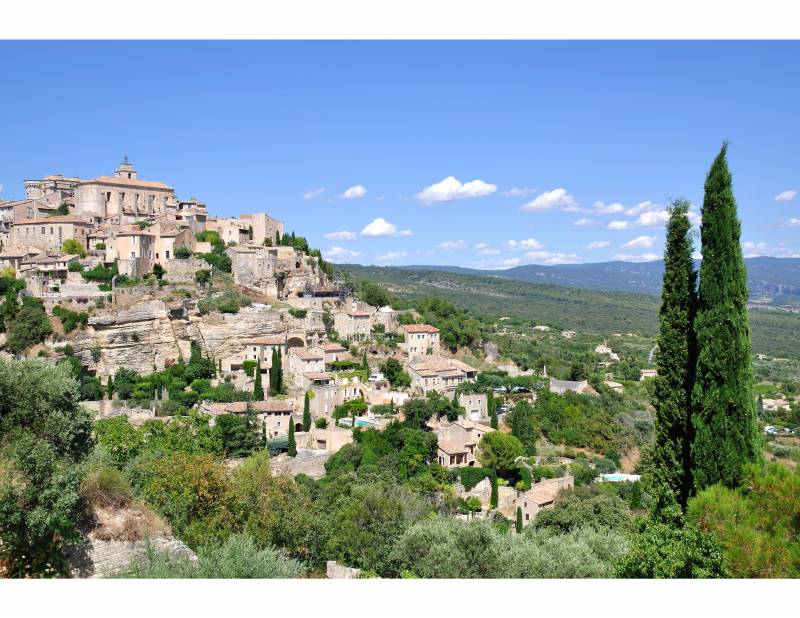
42, 230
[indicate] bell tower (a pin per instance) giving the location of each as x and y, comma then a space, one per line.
125, 170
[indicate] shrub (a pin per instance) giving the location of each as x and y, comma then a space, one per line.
71, 246
472, 476
183, 253
321, 423
100, 246
202, 276
229, 301
584, 507
106, 487
70, 319
298, 313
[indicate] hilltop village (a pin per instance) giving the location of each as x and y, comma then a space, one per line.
191, 335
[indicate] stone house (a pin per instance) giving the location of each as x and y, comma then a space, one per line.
335, 352
274, 412
48, 266
251, 263
167, 240
420, 339
353, 324
260, 349
13, 257
475, 405
458, 442
230, 229
568, 334
559, 387
263, 227
648, 373
50, 233
542, 495
305, 360
439, 374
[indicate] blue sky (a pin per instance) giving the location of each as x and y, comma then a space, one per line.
427, 152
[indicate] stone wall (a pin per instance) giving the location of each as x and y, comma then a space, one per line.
182, 271
334, 570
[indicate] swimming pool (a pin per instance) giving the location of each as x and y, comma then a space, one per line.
360, 422
617, 478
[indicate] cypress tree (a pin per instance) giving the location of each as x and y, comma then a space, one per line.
276, 374
494, 498
277, 238
364, 362
264, 433
258, 389
724, 414
518, 523
291, 444
306, 413
675, 363
492, 405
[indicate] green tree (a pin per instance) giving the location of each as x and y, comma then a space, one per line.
523, 425
63, 209
258, 390
661, 550
72, 246
202, 276
491, 403
236, 434
30, 325
292, 444
676, 365
276, 374
365, 362
392, 370
374, 294
494, 497
307, 412
499, 451
518, 521
723, 417
44, 437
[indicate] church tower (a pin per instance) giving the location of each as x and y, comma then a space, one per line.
125, 170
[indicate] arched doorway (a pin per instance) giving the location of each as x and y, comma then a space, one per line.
295, 341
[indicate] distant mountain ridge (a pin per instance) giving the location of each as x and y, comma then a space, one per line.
771, 280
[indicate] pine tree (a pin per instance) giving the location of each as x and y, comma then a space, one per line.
675, 363
258, 389
291, 444
307, 413
518, 523
724, 414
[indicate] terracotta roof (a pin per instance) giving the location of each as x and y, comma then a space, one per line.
358, 314
123, 182
334, 347
419, 328
56, 219
13, 252
305, 354
268, 340
240, 407
319, 375
451, 448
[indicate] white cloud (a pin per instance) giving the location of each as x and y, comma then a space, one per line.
481, 245
381, 227
694, 216
585, 223
644, 257
336, 254
518, 192
783, 196
391, 256
652, 218
756, 249
598, 244
557, 198
528, 243
640, 242
343, 235
641, 207
546, 257
498, 264
488, 251
793, 221
452, 245
618, 225
310, 195
612, 209
1, 188
451, 189
354, 193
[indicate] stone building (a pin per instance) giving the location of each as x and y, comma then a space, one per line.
252, 263
352, 324
439, 374
305, 360
123, 198
458, 442
540, 496
275, 413
263, 227
260, 349
50, 233
420, 339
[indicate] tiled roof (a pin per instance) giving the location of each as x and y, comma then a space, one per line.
268, 340
240, 407
419, 328
126, 182
56, 219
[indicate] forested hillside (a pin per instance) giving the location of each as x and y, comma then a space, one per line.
599, 312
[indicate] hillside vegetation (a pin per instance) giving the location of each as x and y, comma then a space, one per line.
593, 311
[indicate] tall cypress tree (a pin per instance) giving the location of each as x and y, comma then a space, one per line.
258, 389
677, 355
518, 522
492, 405
276, 374
307, 413
494, 497
724, 415
291, 444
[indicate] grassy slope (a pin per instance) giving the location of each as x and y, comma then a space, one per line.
603, 313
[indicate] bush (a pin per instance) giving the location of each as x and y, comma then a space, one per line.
249, 367
472, 476
183, 253
237, 558
202, 276
100, 246
70, 319
298, 313
321, 423
106, 487
71, 246
229, 301
584, 507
